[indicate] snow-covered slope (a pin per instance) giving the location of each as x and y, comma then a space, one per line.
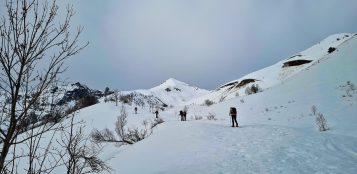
278, 132
279, 72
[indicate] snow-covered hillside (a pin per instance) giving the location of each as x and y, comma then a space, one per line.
278, 133
279, 72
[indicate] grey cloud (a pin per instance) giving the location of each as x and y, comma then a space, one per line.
138, 44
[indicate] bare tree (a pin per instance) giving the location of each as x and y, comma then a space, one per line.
321, 122
313, 109
34, 45
125, 136
116, 96
80, 155
211, 116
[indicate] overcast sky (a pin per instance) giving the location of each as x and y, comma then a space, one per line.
141, 43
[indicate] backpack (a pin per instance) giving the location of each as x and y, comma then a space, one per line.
233, 111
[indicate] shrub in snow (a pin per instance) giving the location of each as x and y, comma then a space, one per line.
128, 99
114, 97
242, 101
350, 88
28, 122
70, 110
156, 122
211, 116
124, 136
353, 87
86, 101
221, 99
208, 102
131, 135
313, 109
321, 122
53, 117
135, 134
253, 89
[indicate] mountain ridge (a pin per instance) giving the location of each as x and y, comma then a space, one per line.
279, 72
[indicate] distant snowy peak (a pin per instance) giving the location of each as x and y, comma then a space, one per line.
171, 92
169, 83
174, 82
174, 92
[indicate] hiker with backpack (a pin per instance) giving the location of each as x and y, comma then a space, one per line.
233, 114
157, 113
182, 115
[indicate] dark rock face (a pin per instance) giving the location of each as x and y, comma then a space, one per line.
331, 49
238, 84
296, 63
80, 91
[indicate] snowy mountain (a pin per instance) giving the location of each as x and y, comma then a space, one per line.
171, 92
174, 92
279, 72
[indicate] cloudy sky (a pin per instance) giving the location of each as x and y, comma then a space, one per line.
141, 43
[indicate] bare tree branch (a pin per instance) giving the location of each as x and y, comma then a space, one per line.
34, 45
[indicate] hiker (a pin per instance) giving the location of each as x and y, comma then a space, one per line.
136, 110
157, 113
233, 114
184, 115
181, 114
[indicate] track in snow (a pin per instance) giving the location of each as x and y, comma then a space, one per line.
203, 147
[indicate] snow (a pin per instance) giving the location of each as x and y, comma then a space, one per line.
217, 148
277, 132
